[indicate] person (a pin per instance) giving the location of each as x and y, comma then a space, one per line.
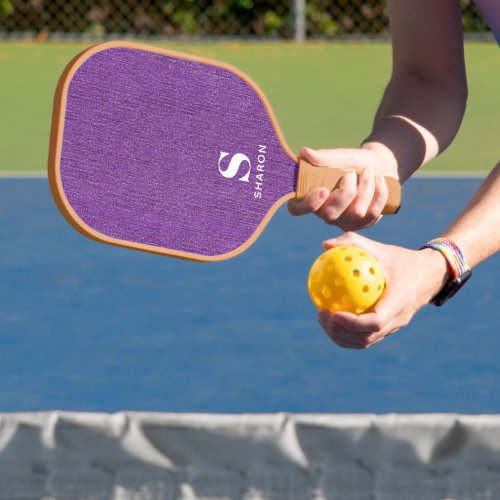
418, 117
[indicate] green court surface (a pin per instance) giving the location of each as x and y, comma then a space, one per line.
324, 95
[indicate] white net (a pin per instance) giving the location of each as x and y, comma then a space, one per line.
153, 456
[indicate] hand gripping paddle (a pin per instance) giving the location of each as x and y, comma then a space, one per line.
172, 153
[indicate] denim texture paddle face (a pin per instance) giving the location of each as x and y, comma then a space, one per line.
170, 153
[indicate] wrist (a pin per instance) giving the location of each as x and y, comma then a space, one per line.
437, 272
388, 165
457, 265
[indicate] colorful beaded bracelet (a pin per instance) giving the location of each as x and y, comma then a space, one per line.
460, 269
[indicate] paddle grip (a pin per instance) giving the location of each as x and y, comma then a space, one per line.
311, 177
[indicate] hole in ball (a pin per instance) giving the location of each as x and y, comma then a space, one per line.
346, 299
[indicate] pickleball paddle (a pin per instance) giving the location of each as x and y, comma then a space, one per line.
172, 153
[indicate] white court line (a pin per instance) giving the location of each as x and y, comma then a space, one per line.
23, 175
454, 174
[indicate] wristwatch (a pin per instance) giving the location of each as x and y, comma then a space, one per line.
460, 270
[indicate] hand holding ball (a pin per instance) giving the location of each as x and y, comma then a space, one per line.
346, 278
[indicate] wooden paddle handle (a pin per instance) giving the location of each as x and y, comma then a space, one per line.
312, 177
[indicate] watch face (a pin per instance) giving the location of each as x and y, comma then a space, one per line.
451, 288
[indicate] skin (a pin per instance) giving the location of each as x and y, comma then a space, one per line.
418, 117
414, 277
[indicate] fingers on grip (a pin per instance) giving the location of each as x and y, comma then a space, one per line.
311, 177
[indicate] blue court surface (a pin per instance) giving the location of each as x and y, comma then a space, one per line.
90, 327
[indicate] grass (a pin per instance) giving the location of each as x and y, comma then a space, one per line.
324, 95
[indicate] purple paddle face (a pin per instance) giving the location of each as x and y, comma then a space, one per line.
168, 152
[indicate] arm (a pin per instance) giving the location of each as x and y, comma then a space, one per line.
415, 277
418, 117
477, 230
424, 103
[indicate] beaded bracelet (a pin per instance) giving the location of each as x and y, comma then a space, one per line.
459, 267
452, 254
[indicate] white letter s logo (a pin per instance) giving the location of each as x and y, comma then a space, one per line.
234, 166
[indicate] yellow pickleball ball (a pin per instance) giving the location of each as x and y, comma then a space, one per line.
346, 278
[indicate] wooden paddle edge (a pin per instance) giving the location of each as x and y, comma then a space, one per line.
55, 147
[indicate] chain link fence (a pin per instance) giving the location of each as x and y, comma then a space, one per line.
285, 19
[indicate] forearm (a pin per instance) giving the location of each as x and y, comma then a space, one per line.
477, 230
424, 103
416, 120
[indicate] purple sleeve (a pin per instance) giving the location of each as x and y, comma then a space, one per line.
490, 9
